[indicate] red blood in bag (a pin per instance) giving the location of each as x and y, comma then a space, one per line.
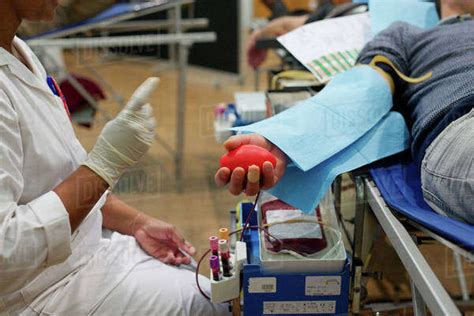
303, 246
246, 156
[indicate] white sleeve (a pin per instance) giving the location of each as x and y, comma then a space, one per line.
32, 236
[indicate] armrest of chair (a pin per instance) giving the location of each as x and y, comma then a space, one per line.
268, 43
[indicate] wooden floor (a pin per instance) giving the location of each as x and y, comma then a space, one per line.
202, 208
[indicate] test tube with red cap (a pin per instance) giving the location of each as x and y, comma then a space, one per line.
214, 242
225, 257
215, 267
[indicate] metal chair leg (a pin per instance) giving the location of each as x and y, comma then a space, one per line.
419, 307
461, 276
361, 203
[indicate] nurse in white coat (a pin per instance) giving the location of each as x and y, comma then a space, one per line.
54, 202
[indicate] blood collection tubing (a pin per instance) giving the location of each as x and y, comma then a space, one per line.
209, 250
242, 230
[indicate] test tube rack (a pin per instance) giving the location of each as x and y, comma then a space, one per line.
228, 288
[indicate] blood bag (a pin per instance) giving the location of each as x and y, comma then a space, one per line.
291, 230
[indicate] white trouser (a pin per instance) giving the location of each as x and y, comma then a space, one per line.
123, 280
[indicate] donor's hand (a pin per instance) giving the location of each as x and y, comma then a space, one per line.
254, 179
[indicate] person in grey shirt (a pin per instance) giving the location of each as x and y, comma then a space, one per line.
438, 111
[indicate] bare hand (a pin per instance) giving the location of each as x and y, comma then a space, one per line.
255, 56
254, 180
163, 241
275, 28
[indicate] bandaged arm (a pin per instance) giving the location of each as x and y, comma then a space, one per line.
316, 129
349, 106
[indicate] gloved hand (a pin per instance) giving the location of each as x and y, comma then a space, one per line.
125, 139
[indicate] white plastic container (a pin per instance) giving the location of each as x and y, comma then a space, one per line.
222, 130
330, 260
251, 106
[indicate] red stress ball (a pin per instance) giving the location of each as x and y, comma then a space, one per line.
246, 156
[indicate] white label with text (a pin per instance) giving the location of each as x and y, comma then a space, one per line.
299, 307
262, 285
323, 285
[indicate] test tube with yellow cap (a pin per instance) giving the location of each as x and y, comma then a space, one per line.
224, 234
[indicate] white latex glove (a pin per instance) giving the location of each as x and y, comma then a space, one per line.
125, 139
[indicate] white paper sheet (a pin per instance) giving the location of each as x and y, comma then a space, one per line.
330, 46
